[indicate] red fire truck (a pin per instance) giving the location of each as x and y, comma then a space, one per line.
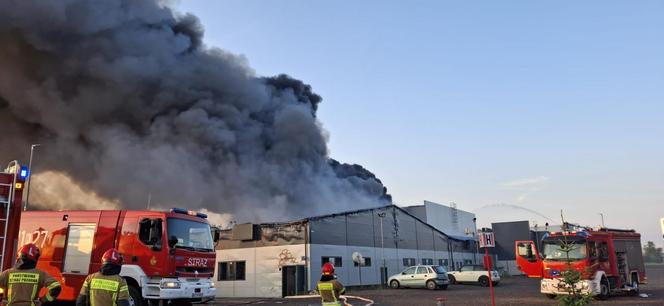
610, 260
169, 256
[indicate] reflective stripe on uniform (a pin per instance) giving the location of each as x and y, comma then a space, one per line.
53, 285
50, 287
104, 284
34, 294
124, 288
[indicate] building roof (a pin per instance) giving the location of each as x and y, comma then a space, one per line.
350, 212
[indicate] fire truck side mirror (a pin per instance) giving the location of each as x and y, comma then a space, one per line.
216, 234
172, 241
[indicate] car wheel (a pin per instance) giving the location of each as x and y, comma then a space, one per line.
394, 284
431, 285
135, 298
484, 281
452, 279
444, 287
604, 289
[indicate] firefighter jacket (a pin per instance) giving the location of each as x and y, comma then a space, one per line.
104, 290
330, 289
21, 286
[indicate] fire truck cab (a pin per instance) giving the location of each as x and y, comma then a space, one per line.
610, 260
168, 256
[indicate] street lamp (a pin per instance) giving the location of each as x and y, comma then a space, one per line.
27, 189
477, 245
383, 274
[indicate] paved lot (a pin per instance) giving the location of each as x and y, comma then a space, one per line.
512, 291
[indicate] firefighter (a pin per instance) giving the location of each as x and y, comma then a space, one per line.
106, 287
23, 282
329, 287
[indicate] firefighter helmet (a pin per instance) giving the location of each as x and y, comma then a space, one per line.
112, 256
29, 251
328, 269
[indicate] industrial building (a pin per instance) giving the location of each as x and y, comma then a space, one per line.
281, 259
447, 219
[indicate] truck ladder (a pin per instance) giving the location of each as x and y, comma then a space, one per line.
6, 204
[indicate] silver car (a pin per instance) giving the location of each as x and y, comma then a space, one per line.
425, 276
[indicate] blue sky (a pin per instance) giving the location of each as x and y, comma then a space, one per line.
546, 105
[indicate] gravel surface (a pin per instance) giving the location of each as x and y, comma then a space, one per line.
511, 291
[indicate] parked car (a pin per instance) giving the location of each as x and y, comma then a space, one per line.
425, 276
473, 274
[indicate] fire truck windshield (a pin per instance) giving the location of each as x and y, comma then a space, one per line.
553, 249
190, 235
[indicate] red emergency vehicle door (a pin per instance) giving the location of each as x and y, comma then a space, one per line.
528, 259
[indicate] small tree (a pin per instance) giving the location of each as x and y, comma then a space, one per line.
652, 253
570, 278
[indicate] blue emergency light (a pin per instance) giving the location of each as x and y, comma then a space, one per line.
23, 172
188, 212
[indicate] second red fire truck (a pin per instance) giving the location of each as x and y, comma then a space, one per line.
610, 260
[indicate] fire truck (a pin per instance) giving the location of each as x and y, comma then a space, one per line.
610, 260
168, 256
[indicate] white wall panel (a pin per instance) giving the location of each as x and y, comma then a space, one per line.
263, 274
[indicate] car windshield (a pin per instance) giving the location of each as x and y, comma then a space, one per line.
554, 249
440, 270
191, 235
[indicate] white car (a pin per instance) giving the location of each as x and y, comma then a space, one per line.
473, 274
423, 276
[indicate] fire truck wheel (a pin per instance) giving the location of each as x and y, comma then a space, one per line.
136, 298
604, 289
484, 281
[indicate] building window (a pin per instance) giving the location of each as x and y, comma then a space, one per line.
444, 262
407, 262
334, 260
427, 261
231, 271
367, 262
467, 262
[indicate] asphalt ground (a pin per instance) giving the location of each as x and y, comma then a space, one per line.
511, 291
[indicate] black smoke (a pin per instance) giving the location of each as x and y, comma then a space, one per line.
127, 101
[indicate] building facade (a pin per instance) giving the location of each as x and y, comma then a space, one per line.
448, 219
281, 259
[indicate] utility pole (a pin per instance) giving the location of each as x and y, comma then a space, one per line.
27, 191
477, 240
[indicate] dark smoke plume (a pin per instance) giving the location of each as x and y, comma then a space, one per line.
127, 102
